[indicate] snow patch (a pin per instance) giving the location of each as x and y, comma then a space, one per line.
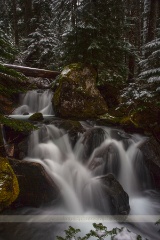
65, 71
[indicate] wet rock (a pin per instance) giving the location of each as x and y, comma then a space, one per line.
17, 143
151, 153
73, 128
105, 159
77, 95
36, 187
21, 149
9, 188
92, 139
40, 91
36, 117
26, 113
119, 199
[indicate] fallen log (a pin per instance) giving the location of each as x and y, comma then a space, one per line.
33, 72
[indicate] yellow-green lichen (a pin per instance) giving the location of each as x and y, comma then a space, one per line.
9, 188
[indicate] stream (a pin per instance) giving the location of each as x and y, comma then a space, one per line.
70, 167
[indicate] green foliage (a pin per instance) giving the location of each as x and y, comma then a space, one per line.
17, 125
7, 50
11, 83
93, 34
100, 232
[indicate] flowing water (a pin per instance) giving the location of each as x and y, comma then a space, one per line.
75, 171
35, 101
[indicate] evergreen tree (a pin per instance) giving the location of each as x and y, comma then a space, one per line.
92, 33
144, 93
41, 42
11, 83
150, 64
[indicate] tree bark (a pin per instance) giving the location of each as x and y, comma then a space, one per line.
153, 15
33, 72
15, 22
28, 16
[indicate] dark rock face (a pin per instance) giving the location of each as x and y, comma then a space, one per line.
92, 139
151, 153
72, 128
111, 94
21, 149
36, 187
119, 199
77, 95
17, 143
99, 161
26, 113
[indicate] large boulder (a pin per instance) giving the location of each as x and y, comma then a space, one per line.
119, 199
36, 187
9, 188
77, 95
151, 153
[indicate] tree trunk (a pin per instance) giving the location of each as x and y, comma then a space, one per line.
15, 22
33, 72
153, 15
131, 67
28, 16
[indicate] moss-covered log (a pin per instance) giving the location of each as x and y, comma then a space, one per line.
33, 72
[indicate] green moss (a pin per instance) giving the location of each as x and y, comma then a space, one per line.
17, 125
36, 117
77, 95
9, 188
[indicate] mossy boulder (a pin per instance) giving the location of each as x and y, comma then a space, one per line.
9, 188
36, 117
77, 95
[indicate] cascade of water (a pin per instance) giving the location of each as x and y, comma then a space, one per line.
99, 151
51, 147
73, 178
35, 101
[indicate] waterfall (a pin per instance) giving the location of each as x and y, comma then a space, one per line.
35, 101
76, 170
51, 147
